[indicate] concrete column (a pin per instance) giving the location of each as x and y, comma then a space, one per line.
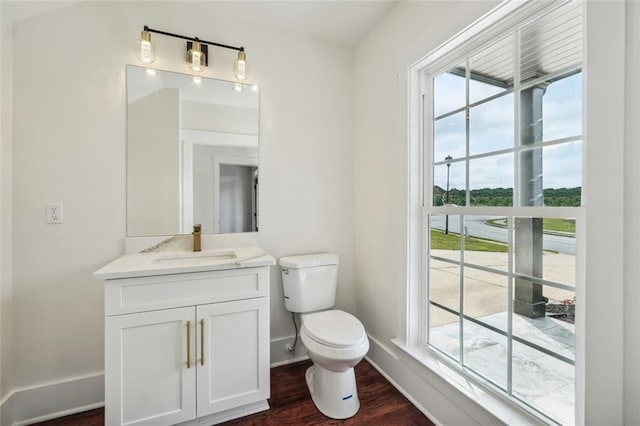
528, 298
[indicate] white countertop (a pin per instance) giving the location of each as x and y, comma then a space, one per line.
177, 262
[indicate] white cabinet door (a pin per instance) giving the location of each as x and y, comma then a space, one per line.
233, 354
148, 381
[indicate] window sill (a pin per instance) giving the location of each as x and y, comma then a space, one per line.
498, 406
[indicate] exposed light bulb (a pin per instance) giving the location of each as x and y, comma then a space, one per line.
197, 79
145, 49
196, 57
238, 87
240, 67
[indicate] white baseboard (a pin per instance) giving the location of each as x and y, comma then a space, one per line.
279, 354
44, 402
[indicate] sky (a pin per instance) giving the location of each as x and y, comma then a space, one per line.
492, 129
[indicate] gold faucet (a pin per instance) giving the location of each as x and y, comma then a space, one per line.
196, 237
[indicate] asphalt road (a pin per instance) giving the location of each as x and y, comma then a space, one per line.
476, 227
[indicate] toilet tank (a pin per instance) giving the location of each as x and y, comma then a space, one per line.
309, 281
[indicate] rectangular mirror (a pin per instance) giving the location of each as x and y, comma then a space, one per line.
192, 154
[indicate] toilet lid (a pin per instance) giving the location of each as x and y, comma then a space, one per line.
334, 328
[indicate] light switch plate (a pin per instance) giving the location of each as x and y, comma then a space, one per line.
54, 213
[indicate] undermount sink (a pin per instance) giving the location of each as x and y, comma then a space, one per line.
197, 256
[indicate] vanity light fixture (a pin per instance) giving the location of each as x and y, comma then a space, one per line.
240, 67
195, 56
145, 49
197, 51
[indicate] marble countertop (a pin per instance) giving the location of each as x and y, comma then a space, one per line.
177, 262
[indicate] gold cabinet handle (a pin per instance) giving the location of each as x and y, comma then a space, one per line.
188, 344
202, 341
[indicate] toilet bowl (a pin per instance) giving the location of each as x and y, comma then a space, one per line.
335, 342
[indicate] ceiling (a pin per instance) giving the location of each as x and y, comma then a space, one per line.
343, 22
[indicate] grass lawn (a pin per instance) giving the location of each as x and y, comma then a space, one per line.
562, 225
548, 224
442, 241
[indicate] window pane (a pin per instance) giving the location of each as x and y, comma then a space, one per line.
452, 178
491, 70
545, 248
485, 352
485, 297
486, 239
491, 180
444, 283
449, 90
552, 176
444, 331
491, 126
562, 180
555, 329
544, 382
449, 137
445, 236
562, 108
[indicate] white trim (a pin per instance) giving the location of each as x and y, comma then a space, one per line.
51, 400
217, 162
59, 414
213, 138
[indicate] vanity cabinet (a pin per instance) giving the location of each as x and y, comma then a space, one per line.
187, 348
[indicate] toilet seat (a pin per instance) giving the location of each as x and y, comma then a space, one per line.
334, 329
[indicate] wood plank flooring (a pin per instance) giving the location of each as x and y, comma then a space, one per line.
380, 403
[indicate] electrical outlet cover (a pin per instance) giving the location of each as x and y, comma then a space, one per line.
54, 213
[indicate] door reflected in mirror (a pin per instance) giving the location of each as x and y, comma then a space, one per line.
192, 154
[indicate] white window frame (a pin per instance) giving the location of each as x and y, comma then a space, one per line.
414, 296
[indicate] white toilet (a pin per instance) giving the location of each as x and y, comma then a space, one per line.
335, 340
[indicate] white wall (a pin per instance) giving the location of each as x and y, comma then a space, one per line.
219, 118
381, 156
631, 220
6, 232
411, 30
69, 146
153, 164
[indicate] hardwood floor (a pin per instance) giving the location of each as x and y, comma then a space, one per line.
380, 403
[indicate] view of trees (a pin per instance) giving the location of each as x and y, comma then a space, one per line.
553, 197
